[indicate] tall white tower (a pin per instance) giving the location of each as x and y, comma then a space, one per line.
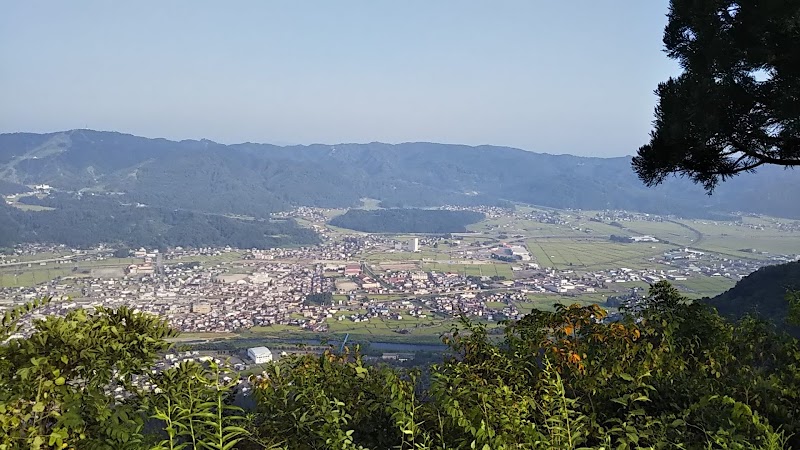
415, 245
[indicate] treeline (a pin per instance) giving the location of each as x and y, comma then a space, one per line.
91, 220
667, 375
320, 298
620, 239
407, 220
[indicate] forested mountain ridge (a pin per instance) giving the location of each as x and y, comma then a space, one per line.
90, 221
762, 293
257, 179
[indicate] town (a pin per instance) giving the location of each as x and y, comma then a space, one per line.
384, 284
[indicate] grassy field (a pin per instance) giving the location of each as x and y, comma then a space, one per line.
26, 207
207, 259
359, 332
194, 336
665, 231
730, 238
593, 254
13, 201
106, 262
378, 327
32, 276
370, 204
23, 276
486, 270
495, 305
546, 302
509, 226
40, 256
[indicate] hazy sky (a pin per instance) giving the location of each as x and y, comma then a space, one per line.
550, 76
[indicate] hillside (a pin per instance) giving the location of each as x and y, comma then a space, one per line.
94, 220
9, 188
763, 293
257, 179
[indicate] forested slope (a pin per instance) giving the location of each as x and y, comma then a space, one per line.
90, 221
762, 293
256, 179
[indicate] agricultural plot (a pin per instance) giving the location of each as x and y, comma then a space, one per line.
594, 255
509, 226
604, 230
108, 262
200, 335
740, 248
756, 233
665, 231
495, 305
38, 256
399, 266
32, 276
407, 256
377, 328
547, 302
546, 230
480, 270
207, 259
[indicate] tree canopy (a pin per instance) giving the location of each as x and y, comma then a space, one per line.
665, 375
736, 106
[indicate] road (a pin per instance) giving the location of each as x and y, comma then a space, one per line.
38, 261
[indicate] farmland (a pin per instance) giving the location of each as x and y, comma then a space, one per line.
479, 270
593, 254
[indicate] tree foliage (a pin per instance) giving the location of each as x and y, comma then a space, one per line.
93, 219
668, 374
763, 293
735, 106
55, 386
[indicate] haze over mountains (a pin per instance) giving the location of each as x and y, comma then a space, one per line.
258, 179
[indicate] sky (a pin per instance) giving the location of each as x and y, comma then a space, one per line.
548, 76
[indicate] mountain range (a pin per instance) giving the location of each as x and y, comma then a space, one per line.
258, 179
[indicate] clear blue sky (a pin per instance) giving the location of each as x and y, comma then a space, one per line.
549, 76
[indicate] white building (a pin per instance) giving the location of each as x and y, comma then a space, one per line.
415, 245
259, 355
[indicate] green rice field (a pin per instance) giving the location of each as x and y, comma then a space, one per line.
594, 254
485, 270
